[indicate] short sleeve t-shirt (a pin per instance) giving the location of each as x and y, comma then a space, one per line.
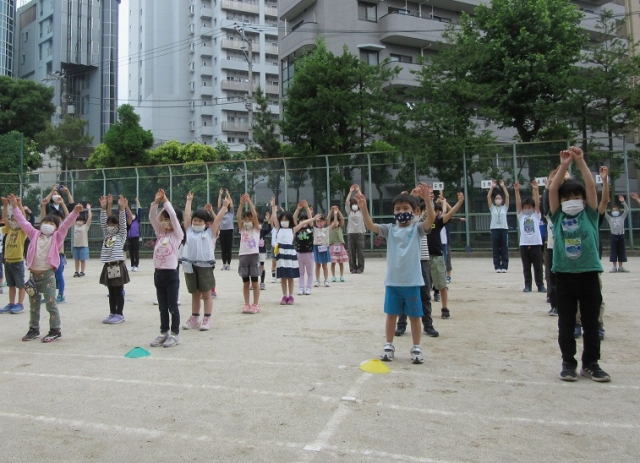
433, 238
304, 240
336, 235
81, 236
14, 240
529, 229
576, 242
403, 254
498, 217
321, 236
249, 241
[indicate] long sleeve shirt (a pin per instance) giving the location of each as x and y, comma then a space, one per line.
165, 253
616, 224
113, 244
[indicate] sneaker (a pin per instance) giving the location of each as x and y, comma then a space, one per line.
527, 289
568, 372
157, 342
341, 279
334, 279
7, 308
284, 300
400, 330
109, 318
623, 270
301, 292
448, 279
82, 273
193, 323
262, 287
436, 297
431, 331
19, 308
32, 334
290, 300
352, 271
416, 355
206, 323
388, 352
255, 308
542, 289
504, 270
76, 275
60, 298
553, 312
307, 292
613, 270
117, 319
498, 270
326, 283
548, 299
577, 331
600, 332
172, 340
316, 284
134, 269
246, 308
52, 336
596, 373
1, 290
273, 279
445, 313
214, 294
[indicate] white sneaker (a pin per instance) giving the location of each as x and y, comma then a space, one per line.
307, 292
262, 287
388, 352
300, 291
274, 279
326, 283
416, 355
316, 284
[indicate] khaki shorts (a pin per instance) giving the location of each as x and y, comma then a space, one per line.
437, 272
201, 280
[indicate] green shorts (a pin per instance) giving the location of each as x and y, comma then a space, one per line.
438, 272
201, 280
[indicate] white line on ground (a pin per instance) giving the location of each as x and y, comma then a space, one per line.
385, 455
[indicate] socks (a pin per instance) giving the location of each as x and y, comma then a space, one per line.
262, 276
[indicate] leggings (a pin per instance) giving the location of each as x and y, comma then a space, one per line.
60, 275
226, 242
134, 250
116, 299
306, 264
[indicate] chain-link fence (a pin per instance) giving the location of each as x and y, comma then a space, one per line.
324, 181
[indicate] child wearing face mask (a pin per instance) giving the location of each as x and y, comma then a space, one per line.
355, 232
166, 278
530, 239
54, 204
321, 254
574, 212
81, 242
114, 271
133, 236
617, 249
336, 243
14, 241
249, 254
43, 257
198, 260
499, 227
304, 247
265, 230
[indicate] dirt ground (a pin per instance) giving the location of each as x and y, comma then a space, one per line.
285, 385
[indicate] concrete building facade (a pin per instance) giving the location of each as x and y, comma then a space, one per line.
189, 67
7, 29
72, 45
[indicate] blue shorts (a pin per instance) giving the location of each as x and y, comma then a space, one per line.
403, 300
321, 257
81, 253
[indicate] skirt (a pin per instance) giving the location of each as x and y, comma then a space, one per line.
287, 262
321, 257
338, 253
120, 281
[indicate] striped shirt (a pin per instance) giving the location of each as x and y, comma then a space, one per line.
113, 245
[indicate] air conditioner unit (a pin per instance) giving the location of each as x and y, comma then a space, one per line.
192, 125
192, 66
192, 28
192, 9
192, 47
192, 105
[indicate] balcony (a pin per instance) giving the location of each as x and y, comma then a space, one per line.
237, 86
405, 78
301, 38
270, 49
207, 110
206, 130
589, 23
206, 12
271, 11
234, 64
206, 51
289, 9
206, 32
271, 89
235, 126
206, 70
244, 7
239, 45
409, 30
206, 90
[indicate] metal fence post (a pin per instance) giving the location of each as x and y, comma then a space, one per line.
515, 163
137, 183
628, 190
286, 185
73, 190
328, 185
170, 184
246, 177
466, 202
369, 190
104, 183
206, 166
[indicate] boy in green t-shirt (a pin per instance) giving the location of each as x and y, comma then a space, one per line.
576, 263
14, 240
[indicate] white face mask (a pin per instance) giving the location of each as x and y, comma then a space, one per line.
14, 225
112, 230
615, 213
165, 225
248, 226
56, 198
284, 224
198, 228
498, 202
528, 211
354, 208
573, 206
47, 229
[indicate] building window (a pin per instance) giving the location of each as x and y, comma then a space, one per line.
367, 12
369, 57
400, 58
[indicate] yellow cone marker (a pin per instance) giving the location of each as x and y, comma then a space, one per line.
375, 366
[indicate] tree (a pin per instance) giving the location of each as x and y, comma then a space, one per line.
518, 54
10, 149
102, 157
25, 106
126, 141
66, 140
174, 152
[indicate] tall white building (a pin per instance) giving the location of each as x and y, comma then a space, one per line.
7, 28
189, 68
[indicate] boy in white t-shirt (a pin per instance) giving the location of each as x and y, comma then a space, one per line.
530, 239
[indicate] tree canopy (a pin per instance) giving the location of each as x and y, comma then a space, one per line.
25, 106
67, 141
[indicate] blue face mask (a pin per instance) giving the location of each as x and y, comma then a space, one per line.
403, 217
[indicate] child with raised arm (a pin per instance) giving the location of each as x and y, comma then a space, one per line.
249, 255
530, 239
499, 206
14, 242
617, 248
404, 276
133, 235
321, 254
43, 257
355, 231
198, 260
265, 230
574, 212
114, 272
81, 242
304, 246
336, 243
166, 278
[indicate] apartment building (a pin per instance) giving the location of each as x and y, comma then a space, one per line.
72, 45
400, 30
7, 28
189, 67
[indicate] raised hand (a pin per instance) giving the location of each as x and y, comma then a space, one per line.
103, 202
5, 201
227, 202
534, 184
159, 196
88, 206
361, 200
576, 153
190, 196
272, 201
221, 191
516, 186
78, 209
122, 202
634, 196
621, 199
208, 207
13, 200
494, 183
566, 158
460, 196
502, 183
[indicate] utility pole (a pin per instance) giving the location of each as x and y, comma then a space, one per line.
248, 54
